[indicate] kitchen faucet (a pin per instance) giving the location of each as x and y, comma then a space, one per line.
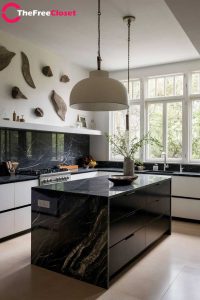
165, 161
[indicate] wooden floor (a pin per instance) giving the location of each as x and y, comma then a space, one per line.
170, 271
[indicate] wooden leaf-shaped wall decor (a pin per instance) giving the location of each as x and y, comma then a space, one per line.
64, 78
59, 105
26, 70
17, 94
5, 57
47, 71
39, 112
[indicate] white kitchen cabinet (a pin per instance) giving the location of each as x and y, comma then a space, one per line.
185, 186
84, 175
6, 224
186, 208
7, 196
23, 192
22, 219
12, 196
184, 191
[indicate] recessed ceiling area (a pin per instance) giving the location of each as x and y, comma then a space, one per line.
157, 37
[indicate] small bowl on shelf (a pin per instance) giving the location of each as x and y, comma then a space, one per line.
121, 179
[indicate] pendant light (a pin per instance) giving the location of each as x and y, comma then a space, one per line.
128, 19
99, 92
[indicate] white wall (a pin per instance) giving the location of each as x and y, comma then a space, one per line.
39, 97
99, 149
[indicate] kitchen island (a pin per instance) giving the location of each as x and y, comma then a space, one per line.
89, 229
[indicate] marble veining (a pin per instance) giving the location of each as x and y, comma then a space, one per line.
71, 237
34, 149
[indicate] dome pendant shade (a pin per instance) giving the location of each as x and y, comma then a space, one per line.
99, 93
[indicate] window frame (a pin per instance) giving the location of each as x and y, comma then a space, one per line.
187, 98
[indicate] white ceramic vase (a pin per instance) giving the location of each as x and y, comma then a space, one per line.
128, 166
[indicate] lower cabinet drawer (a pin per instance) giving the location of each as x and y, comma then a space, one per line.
22, 219
126, 226
156, 229
126, 250
6, 224
186, 208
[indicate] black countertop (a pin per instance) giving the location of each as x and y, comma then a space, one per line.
101, 186
16, 178
160, 172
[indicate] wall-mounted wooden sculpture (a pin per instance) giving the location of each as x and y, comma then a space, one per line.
39, 112
17, 94
26, 70
47, 71
64, 78
59, 105
5, 57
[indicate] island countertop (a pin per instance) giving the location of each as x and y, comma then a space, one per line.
101, 186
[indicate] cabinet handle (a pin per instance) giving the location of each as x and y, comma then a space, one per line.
129, 236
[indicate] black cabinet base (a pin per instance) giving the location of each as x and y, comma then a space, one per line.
14, 235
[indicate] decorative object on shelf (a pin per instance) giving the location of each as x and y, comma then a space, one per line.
59, 105
12, 166
39, 112
47, 71
83, 121
26, 70
17, 94
18, 119
99, 92
92, 124
78, 122
64, 78
122, 180
6, 119
14, 116
22, 119
5, 57
126, 147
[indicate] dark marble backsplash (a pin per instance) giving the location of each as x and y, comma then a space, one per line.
34, 149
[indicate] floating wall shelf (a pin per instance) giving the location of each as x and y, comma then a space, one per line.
48, 128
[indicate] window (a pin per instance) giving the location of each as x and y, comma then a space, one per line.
195, 83
165, 86
195, 130
155, 127
134, 89
163, 106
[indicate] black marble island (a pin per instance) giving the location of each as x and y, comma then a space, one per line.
89, 229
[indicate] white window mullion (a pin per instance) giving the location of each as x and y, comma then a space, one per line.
186, 140
142, 118
165, 127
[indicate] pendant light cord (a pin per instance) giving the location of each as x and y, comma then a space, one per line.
129, 40
99, 37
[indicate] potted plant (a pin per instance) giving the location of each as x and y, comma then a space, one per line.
139, 164
127, 147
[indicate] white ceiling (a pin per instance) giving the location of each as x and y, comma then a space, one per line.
187, 12
157, 37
